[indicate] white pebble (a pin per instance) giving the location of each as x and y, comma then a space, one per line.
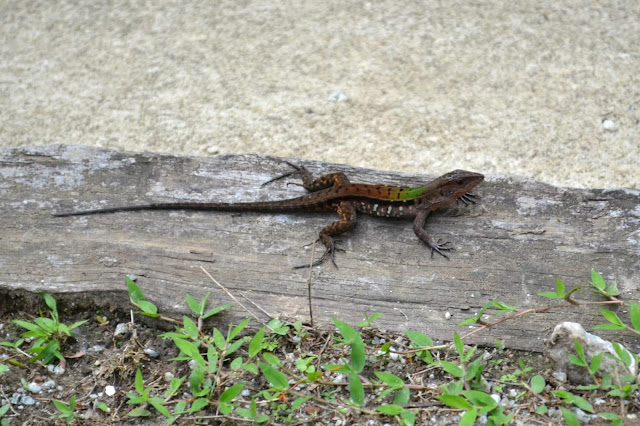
110, 390
33, 387
560, 376
609, 125
447, 315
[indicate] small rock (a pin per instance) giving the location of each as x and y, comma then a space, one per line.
168, 376
33, 387
561, 344
245, 392
560, 376
495, 397
296, 339
110, 390
49, 384
151, 353
27, 400
121, 329
582, 416
513, 393
599, 401
337, 97
609, 125
97, 348
447, 315
15, 398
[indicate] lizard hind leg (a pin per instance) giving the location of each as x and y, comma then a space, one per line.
310, 184
347, 213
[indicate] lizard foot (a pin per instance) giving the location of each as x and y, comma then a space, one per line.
328, 253
297, 171
438, 247
468, 198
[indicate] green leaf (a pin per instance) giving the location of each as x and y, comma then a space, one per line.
583, 403
193, 305
537, 384
190, 327
61, 406
236, 363
147, 307
408, 418
577, 361
569, 417
356, 389
559, 294
358, 356
452, 369
480, 399
597, 281
229, 394
250, 367
299, 401
50, 301
256, 344
158, 404
595, 363
609, 327
135, 293
634, 314
271, 359
622, 353
277, 379
455, 401
191, 350
389, 379
458, 343
216, 310
139, 382
199, 404
219, 339
390, 409
402, 396
420, 340
345, 330
238, 328
77, 324
612, 317
139, 412
469, 418
234, 346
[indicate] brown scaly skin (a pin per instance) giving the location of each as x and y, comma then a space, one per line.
334, 192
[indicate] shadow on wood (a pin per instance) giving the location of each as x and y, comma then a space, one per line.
512, 245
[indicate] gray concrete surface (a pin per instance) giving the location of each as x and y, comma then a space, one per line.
547, 90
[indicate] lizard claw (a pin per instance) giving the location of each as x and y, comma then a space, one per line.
297, 170
438, 247
468, 198
329, 252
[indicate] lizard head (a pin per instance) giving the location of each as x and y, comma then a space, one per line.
449, 187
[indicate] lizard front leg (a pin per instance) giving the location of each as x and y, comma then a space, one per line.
347, 213
418, 228
310, 184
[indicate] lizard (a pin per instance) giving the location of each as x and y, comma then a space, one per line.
334, 192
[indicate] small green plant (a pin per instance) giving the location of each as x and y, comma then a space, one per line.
3, 410
141, 397
49, 334
67, 411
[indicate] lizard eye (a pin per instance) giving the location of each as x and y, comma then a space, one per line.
442, 192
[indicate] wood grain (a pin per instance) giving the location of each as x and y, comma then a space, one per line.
512, 245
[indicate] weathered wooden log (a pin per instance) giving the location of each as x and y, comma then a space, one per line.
512, 245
